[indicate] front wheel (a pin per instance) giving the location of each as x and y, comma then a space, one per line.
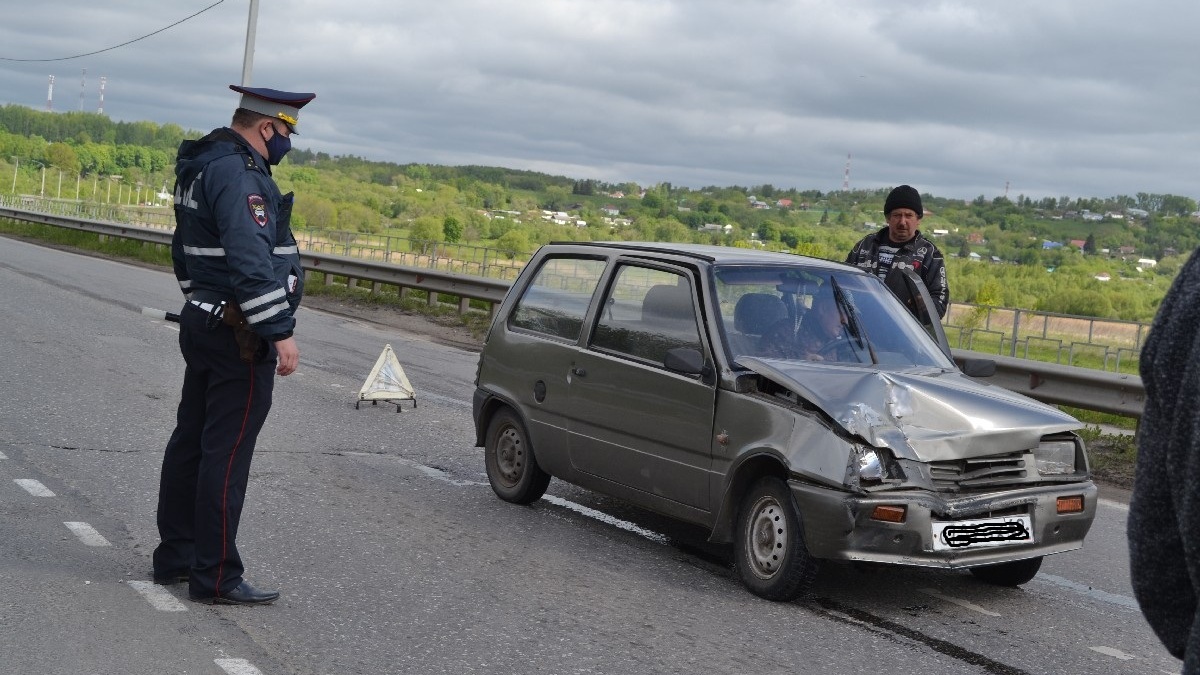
772, 558
511, 467
1010, 573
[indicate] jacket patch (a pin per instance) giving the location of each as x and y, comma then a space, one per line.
258, 209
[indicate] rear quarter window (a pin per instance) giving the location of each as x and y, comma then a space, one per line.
556, 300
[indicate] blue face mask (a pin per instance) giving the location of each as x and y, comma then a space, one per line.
277, 146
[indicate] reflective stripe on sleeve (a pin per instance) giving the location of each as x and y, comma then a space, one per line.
285, 250
266, 313
263, 299
206, 252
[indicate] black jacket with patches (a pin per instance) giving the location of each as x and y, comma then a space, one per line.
1164, 510
918, 254
232, 236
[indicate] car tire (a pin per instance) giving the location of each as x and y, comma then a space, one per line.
512, 468
1010, 573
772, 559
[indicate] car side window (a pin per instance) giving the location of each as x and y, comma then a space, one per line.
646, 313
556, 300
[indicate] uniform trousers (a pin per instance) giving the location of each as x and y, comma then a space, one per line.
222, 408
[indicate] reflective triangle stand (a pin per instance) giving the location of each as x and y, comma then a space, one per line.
387, 382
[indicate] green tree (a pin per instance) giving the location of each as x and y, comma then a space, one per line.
452, 229
425, 231
513, 243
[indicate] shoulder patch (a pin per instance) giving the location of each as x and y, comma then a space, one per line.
258, 209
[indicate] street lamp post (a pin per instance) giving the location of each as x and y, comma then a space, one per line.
248, 57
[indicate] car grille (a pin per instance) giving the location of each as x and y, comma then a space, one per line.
980, 472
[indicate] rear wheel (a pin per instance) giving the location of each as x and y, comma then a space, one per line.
1010, 573
772, 558
512, 469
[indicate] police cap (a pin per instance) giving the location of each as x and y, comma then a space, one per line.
284, 105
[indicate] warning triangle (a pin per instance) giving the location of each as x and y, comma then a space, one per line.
387, 381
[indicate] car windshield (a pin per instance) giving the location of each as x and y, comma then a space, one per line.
804, 313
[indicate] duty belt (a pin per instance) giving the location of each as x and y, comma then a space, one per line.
206, 306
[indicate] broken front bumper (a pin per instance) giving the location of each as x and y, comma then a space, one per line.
838, 525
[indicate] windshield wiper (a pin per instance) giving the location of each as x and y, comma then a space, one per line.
850, 320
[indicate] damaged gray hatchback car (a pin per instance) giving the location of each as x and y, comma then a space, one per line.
798, 409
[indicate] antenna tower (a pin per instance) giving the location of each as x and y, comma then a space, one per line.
50, 96
82, 88
101, 108
846, 180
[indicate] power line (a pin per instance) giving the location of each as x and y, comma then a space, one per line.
109, 49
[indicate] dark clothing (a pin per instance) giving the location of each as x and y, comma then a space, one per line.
877, 254
1164, 509
207, 461
232, 244
232, 240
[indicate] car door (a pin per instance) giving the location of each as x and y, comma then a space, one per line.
633, 421
540, 343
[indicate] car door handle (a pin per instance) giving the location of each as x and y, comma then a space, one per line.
580, 372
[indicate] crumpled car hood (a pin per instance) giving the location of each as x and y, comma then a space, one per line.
925, 414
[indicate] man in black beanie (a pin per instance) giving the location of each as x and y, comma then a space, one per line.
1164, 541
901, 245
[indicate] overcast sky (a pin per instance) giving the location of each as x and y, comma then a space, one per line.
1079, 98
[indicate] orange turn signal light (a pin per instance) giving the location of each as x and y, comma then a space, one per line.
889, 514
1072, 504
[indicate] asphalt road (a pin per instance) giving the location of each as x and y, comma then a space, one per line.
392, 553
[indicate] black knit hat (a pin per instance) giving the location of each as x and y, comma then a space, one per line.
904, 197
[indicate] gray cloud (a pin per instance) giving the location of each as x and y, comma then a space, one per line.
1075, 97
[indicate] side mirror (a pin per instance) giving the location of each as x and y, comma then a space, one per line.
685, 361
978, 367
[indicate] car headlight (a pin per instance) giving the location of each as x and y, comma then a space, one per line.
869, 465
1055, 458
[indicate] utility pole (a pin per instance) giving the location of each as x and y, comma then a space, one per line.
248, 59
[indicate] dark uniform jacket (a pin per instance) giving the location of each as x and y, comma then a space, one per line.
1164, 510
919, 254
232, 237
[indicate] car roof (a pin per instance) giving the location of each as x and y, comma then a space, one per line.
708, 253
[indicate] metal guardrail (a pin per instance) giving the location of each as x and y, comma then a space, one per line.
1085, 388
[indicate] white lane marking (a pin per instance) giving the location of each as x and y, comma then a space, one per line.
1093, 593
1117, 653
2, 456
1116, 505
33, 487
87, 534
237, 667
438, 474
958, 601
157, 596
605, 518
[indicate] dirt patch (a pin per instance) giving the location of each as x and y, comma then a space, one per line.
1112, 457
444, 330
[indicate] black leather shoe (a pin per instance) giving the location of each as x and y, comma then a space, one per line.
170, 579
244, 594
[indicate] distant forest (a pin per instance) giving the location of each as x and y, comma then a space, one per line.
1110, 257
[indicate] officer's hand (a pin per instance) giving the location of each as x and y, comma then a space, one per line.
289, 356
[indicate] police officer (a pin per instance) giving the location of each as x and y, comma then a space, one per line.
239, 269
901, 245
